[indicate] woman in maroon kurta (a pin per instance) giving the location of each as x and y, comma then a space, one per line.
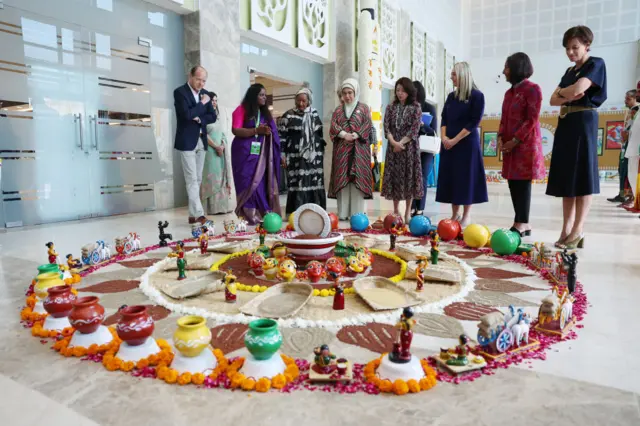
351, 178
519, 137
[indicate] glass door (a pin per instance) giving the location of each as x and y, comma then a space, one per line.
43, 135
122, 149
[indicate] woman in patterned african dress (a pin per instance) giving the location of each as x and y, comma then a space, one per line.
402, 172
351, 178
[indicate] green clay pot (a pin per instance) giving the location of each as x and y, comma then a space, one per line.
263, 339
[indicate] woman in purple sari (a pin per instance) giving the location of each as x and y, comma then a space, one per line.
255, 157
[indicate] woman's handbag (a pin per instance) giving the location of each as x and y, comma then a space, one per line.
430, 144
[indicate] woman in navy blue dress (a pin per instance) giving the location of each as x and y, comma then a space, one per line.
573, 173
461, 178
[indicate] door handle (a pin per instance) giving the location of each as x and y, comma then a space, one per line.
77, 118
94, 119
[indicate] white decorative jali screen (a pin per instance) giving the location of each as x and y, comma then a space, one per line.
389, 38
448, 67
313, 26
431, 78
274, 19
417, 54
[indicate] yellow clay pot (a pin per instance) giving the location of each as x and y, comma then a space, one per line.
192, 335
45, 281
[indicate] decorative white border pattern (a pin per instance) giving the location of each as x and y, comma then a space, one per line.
432, 66
388, 317
418, 53
389, 41
313, 16
265, 21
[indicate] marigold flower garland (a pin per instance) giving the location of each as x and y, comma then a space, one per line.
62, 346
112, 363
263, 384
171, 376
400, 387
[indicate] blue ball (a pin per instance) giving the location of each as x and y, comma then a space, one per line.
359, 222
420, 225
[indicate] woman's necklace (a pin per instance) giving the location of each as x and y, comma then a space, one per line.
400, 115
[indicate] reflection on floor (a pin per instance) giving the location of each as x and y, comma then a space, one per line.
587, 381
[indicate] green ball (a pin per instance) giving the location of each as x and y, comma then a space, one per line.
504, 242
272, 222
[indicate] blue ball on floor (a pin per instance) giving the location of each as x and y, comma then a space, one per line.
359, 222
420, 225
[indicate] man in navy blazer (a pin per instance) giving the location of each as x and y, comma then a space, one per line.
194, 111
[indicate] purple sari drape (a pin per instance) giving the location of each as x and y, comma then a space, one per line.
256, 177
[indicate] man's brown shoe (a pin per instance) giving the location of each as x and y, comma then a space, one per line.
192, 220
202, 220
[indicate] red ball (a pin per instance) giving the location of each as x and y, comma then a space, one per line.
334, 221
449, 229
389, 219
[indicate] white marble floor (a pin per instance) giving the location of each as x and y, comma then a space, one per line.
591, 380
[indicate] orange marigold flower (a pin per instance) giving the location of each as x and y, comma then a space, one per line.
184, 379
292, 370
248, 384
376, 363
153, 359
279, 381
79, 351
111, 366
93, 349
385, 386
414, 386
263, 385
237, 380
143, 363
425, 384
287, 360
400, 387
127, 366
162, 344
197, 379
172, 376
162, 372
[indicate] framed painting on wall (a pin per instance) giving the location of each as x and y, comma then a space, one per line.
614, 134
600, 141
490, 144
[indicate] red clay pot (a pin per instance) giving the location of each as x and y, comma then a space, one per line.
135, 326
87, 314
59, 302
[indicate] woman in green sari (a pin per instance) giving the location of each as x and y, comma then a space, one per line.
215, 190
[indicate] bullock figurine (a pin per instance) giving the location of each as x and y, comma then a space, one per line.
241, 226
556, 311
51, 251
521, 330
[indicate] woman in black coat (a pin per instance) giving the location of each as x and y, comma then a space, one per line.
426, 158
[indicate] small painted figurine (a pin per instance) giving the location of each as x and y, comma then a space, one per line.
230, 226
394, 231
230, 288
241, 226
262, 233
162, 236
364, 257
203, 239
315, 270
462, 350
344, 250
324, 360
181, 261
73, 263
256, 263
287, 270
401, 353
338, 297
435, 250
270, 268
279, 250
335, 267
354, 267
423, 262
53, 255
571, 262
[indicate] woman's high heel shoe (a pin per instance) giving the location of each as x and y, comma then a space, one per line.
577, 243
526, 233
560, 243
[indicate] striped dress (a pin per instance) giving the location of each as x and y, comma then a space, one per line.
305, 171
351, 160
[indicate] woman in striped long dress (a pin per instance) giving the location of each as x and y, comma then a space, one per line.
351, 178
303, 149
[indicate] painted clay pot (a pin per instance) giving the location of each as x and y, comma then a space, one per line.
87, 314
263, 339
192, 335
46, 281
59, 302
135, 325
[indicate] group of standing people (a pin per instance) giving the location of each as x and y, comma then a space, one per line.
260, 147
